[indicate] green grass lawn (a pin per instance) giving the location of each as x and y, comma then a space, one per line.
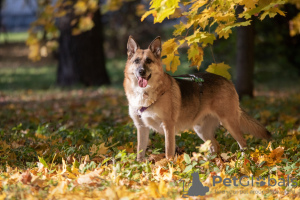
44, 77
13, 37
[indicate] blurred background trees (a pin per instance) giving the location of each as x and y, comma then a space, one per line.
91, 47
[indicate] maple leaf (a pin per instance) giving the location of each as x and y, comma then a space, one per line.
161, 9
80, 7
85, 23
171, 62
26, 177
89, 178
153, 190
195, 54
175, 63
219, 69
179, 28
249, 4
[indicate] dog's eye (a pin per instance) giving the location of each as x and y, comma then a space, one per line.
136, 61
148, 60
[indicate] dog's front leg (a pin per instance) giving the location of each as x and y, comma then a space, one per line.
142, 137
142, 133
169, 130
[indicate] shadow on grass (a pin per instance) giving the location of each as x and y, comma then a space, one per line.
25, 78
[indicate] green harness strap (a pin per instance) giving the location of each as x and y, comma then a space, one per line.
193, 78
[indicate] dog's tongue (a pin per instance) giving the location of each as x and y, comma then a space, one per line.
142, 82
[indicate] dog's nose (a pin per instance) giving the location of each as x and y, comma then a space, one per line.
142, 71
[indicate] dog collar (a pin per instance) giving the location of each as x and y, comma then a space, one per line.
142, 109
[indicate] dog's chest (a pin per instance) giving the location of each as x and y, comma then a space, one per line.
152, 120
142, 97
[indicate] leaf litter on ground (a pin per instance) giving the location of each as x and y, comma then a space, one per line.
81, 144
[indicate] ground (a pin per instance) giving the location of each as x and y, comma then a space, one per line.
79, 143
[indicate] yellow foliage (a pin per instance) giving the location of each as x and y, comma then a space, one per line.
161, 9
195, 55
80, 7
220, 69
83, 11
202, 14
295, 25
85, 23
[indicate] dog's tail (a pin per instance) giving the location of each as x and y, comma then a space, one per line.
252, 126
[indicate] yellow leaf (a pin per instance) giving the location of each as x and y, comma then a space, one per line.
221, 32
199, 36
80, 7
294, 25
146, 14
93, 4
167, 61
179, 28
101, 149
175, 63
85, 23
277, 153
219, 69
162, 188
34, 52
169, 47
205, 147
195, 54
249, 4
163, 13
153, 190
75, 31
171, 62
161, 9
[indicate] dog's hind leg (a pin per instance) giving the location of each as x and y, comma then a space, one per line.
206, 131
233, 128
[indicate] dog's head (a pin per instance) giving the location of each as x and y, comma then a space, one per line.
143, 64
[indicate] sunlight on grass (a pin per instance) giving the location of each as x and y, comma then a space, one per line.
13, 37
25, 78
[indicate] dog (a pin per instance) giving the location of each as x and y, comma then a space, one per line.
160, 102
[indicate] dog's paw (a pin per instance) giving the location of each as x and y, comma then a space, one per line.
141, 159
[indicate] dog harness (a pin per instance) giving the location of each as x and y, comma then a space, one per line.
140, 111
188, 77
191, 77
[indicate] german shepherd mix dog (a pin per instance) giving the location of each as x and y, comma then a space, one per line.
167, 105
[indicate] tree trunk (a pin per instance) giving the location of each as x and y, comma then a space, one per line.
81, 57
245, 58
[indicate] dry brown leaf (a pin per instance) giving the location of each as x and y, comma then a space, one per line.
156, 157
89, 178
26, 177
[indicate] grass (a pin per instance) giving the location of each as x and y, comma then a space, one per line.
33, 78
43, 78
80, 143
13, 37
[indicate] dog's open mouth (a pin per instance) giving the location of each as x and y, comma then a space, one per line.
143, 81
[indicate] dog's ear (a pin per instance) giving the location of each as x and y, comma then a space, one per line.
155, 47
132, 46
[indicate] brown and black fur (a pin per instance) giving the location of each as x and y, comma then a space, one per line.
175, 105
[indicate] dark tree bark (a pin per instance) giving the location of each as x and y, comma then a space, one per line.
245, 58
81, 57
